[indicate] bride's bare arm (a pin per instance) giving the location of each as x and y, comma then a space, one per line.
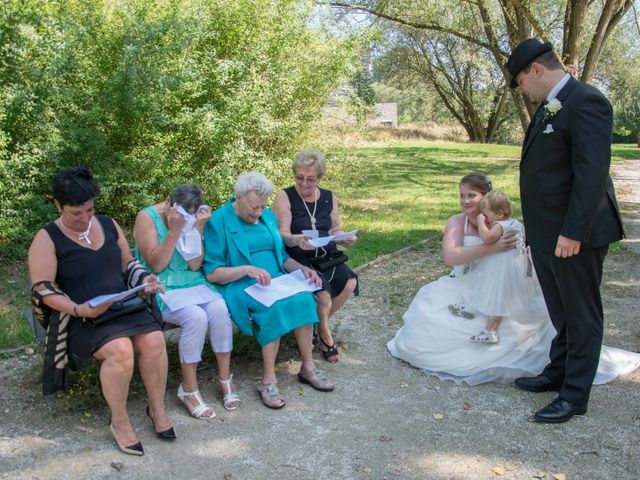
455, 253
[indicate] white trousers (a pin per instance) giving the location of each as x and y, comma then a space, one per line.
195, 321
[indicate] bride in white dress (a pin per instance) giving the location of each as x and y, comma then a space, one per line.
436, 340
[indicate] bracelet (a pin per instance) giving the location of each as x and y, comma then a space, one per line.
75, 310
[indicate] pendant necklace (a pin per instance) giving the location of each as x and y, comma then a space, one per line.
81, 235
312, 216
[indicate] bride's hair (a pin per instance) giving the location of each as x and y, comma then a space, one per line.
477, 182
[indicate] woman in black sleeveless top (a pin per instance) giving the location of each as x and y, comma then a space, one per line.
305, 206
72, 260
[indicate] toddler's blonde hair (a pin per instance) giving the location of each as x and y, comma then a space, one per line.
498, 203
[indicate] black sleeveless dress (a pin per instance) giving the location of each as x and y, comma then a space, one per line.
335, 279
83, 273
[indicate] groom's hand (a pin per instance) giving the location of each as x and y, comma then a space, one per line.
567, 247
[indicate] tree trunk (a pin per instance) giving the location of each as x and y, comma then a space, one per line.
573, 31
612, 13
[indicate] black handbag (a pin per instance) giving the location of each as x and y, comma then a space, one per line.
123, 307
330, 260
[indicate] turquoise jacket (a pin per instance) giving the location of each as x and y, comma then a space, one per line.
225, 245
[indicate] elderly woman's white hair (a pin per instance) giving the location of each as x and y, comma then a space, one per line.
308, 158
253, 182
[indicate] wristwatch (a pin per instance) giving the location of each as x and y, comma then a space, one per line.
75, 310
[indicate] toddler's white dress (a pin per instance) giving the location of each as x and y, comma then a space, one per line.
502, 284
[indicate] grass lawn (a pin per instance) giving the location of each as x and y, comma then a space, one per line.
395, 196
398, 195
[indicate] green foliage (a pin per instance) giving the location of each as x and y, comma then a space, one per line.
619, 65
362, 86
153, 93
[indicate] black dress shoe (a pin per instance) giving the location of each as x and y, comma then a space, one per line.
558, 410
536, 384
168, 434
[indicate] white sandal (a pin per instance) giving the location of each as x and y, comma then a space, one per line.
199, 410
485, 336
228, 398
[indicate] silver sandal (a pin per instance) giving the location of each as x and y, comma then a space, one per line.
271, 395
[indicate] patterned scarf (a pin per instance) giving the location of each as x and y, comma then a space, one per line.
55, 372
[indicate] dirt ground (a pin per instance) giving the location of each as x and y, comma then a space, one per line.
386, 420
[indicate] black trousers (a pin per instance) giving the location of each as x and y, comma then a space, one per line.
571, 288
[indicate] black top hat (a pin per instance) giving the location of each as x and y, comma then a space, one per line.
523, 55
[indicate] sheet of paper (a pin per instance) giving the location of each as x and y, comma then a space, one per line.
322, 241
183, 297
114, 297
281, 287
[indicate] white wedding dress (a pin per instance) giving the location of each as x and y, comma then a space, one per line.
435, 340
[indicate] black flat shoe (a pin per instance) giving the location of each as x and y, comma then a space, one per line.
168, 434
558, 410
536, 384
135, 449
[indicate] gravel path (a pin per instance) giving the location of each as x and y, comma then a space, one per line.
386, 420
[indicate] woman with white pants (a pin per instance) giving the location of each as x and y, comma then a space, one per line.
168, 239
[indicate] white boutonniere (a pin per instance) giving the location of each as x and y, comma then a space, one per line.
551, 109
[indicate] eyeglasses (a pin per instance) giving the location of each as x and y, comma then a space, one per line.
310, 180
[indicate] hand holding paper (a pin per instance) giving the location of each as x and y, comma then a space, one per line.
114, 297
322, 241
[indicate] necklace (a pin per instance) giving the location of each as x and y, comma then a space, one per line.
312, 216
81, 235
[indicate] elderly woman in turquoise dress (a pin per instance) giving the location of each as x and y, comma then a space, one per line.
243, 247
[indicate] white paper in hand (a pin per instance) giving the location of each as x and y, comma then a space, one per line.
281, 287
322, 241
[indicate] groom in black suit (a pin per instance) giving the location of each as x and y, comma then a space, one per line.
570, 215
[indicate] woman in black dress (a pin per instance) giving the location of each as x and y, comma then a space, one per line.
305, 206
73, 259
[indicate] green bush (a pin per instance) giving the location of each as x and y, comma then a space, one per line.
150, 94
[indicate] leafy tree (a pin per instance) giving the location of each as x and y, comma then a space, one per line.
497, 26
153, 93
619, 75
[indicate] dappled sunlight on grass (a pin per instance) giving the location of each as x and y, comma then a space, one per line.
396, 196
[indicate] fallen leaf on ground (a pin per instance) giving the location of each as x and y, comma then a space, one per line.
385, 438
29, 351
438, 416
117, 465
539, 475
559, 476
466, 406
301, 392
227, 476
499, 470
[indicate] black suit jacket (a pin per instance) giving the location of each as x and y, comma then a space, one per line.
565, 185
